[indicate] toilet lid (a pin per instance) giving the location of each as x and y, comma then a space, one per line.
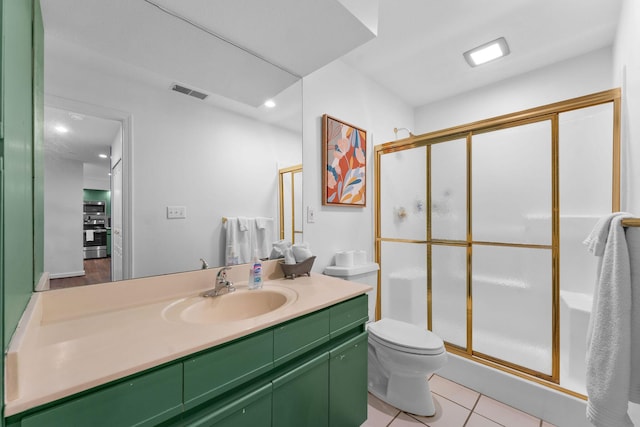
405, 337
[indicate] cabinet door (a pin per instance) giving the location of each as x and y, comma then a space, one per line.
299, 336
142, 401
301, 396
211, 374
251, 410
348, 383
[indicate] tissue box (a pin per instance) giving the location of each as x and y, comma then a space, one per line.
303, 268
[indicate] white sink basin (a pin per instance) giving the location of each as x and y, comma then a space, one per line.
240, 305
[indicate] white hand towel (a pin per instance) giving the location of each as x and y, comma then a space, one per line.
243, 223
263, 236
301, 251
88, 235
240, 241
608, 337
288, 256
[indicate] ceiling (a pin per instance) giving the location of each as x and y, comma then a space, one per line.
417, 53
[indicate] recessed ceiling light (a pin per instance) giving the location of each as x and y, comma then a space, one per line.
102, 156
487, 52
61, 129
269, 103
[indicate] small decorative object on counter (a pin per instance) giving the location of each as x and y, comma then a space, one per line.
291, 271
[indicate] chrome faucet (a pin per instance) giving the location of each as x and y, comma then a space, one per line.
222, 284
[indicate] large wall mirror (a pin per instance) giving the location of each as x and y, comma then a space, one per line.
126, 80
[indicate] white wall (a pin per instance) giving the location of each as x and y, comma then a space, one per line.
344, 93
183, 150
564, 80
626, 73
63, 217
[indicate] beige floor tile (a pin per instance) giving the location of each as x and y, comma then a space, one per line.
453, 391
504, 414
476, 420
379, 413
448, 414
404, 420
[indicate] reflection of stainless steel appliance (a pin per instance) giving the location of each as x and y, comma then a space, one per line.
94, 237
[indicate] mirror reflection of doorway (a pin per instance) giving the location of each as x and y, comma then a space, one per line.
290, 203
79, 209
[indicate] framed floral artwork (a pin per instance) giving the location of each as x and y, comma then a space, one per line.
344, 162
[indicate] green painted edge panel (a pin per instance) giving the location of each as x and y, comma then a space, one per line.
38, 143
299, 336
234, 407
17, 148
348, 314
145, 400
301, 396
217, 371
348, 382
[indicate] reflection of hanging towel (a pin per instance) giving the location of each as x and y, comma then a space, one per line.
263, 236
609, 333
239, 239
88, 235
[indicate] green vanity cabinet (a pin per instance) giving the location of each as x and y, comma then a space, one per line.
214, 372
348, 382
144, 400
301, 396
308, 371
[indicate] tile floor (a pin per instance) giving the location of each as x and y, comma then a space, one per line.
456, 406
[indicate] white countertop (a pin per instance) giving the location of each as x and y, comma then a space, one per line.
74, 339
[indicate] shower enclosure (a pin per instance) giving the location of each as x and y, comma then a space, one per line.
479, 230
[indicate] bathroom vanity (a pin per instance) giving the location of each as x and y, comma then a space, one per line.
84, 356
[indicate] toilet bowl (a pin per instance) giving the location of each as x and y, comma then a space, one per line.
401, 358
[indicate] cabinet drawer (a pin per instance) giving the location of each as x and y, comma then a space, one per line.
213, 373
250, 410
349, 314
299, 336
348, 382
142, 401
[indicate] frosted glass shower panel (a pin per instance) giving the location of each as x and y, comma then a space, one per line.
511, 185
404, 282
512, 305
449, 293
449, 190
586, 159
403, 189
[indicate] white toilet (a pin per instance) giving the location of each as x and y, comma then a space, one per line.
401, 357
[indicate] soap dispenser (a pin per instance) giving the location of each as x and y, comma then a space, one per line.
255, 272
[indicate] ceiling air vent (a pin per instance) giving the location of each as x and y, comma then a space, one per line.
187, 91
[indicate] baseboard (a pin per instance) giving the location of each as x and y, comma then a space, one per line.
543, 402
43, 283
67, 274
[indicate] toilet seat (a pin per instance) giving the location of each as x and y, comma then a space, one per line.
405, 337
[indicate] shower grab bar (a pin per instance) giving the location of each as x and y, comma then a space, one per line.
631, 222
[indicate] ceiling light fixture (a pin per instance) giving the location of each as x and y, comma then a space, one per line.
487, 52
61, 129
269, 103
102, 156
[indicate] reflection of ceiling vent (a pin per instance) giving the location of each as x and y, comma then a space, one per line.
188, 91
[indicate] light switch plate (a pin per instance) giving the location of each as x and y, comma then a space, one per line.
176, 212
311, 215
